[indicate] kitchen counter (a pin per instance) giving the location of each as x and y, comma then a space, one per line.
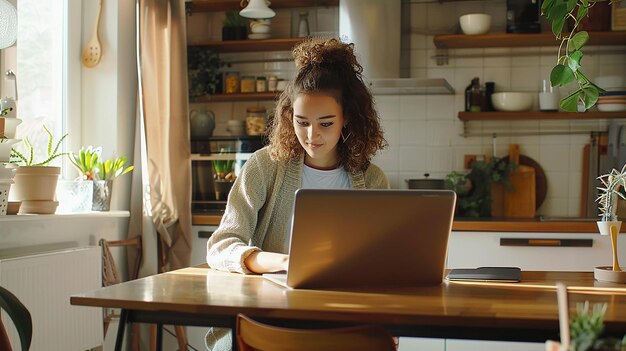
547, 225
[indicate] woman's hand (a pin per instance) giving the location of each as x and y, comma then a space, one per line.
265, 262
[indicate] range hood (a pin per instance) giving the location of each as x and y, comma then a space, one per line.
374, 26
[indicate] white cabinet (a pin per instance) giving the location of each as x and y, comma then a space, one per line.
475, 249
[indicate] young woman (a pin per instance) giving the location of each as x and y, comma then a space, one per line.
324, 132
323, 135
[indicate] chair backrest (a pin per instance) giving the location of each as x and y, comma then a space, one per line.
110, 274
255, 336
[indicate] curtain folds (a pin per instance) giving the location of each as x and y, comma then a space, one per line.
163, 110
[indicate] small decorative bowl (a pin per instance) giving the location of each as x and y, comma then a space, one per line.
512, 101
475, 23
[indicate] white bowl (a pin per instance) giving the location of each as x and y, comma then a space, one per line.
512, 101
475, 23
612, 107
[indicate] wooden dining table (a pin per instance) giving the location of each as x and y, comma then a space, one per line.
523, 311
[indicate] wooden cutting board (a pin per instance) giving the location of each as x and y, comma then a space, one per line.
521, 202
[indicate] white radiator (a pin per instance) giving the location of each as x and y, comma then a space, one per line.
44, 283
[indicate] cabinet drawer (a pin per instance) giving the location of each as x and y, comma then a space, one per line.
531, 251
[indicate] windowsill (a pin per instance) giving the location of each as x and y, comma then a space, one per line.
64, 216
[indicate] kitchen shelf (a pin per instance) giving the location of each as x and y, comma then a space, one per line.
236, 97
537, 115
278, 44
230, 5
454, 41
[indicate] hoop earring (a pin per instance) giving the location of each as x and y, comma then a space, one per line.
345, 137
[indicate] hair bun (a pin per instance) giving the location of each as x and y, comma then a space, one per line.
325, 53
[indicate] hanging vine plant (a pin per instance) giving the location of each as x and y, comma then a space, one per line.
570, 53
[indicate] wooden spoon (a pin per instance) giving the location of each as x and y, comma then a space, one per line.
93, 51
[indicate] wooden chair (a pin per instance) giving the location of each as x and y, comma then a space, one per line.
110, 276
255, 336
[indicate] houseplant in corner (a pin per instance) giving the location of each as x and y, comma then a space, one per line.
107, 171
36, 180
609, 223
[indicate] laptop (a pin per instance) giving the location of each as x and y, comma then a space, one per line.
367, 238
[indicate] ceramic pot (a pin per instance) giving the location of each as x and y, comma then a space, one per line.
202, 124
102, 190
35, 183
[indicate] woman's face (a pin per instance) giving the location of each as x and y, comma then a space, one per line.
317, 121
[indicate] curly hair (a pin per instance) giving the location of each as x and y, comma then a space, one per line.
330, 67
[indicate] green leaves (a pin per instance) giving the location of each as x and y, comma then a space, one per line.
567, 69
19, 315
111, 169
51, 153
86, 161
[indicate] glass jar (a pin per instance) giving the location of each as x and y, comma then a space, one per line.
231, 83
261, 84
247, 84
255, 120
271, 83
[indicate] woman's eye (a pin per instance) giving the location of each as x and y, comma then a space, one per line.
326, 124
302, 123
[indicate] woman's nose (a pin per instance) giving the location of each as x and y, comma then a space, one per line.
312, 132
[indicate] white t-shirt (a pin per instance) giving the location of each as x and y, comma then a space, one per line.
336, 178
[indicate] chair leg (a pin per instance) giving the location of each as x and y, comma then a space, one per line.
153, 337
136, 339
181, 336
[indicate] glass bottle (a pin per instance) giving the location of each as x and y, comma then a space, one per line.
476, 96
303, 27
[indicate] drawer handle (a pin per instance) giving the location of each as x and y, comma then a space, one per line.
204, 234
546, 242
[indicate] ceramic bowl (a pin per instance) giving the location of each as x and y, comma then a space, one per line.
512, 101
475, 23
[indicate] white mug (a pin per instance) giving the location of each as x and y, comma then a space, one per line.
549, 97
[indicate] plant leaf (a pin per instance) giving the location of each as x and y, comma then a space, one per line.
590, 96
578, 40
570, 102
561, 75
573, 60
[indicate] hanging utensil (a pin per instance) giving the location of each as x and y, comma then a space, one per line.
93, 51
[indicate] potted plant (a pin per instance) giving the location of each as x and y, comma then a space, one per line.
77, 195
586, 328
609, 224
107, 171
570, 54
234, 27
21, 319
36, 180
204, 69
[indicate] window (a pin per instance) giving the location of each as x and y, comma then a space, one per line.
40, 60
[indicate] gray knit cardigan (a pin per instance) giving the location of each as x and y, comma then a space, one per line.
260, 206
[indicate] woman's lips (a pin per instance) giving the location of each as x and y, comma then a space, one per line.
315, 146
